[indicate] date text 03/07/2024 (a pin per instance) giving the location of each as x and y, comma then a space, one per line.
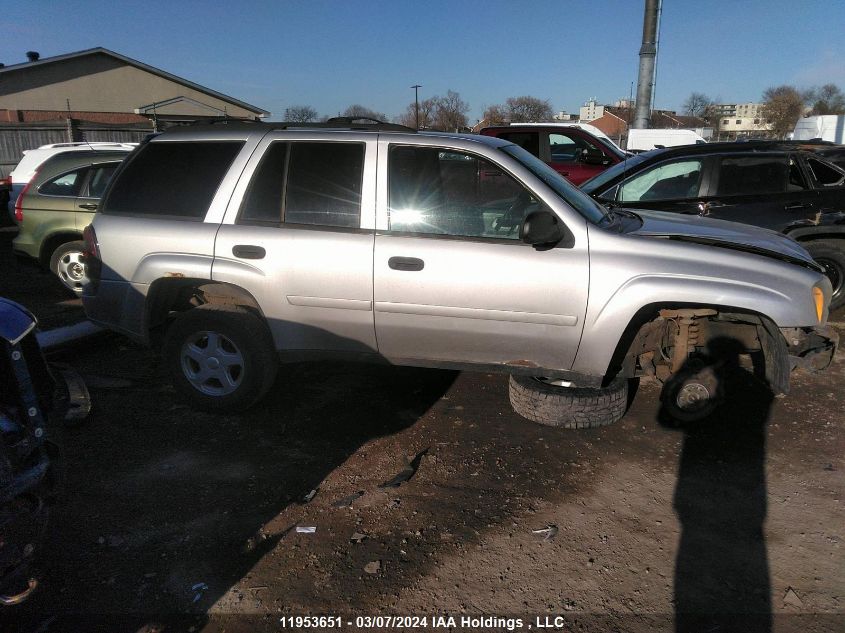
419, 622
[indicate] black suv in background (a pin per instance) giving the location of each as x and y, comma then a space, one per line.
779, 186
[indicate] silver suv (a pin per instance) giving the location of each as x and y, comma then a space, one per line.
236, 245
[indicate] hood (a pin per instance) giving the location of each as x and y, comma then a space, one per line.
721, 233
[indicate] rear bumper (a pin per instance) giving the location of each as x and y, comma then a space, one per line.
118, 306
811, 348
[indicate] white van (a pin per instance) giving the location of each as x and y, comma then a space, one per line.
32, 159
644, 140
827, 127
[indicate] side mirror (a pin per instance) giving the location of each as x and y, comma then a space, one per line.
592, 156
541, 228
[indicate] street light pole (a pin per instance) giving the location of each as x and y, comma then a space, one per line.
416, 88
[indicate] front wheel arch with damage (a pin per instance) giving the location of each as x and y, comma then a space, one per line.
686, 349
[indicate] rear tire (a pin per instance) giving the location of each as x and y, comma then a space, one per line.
831, 255
221, 358
568, 407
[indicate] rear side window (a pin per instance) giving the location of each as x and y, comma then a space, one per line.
175, 179
529, 141
68, 184
307, 183
748, 175
324, 184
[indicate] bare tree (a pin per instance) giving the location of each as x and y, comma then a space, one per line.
357, 111
495, 115
451, 112
519, 110
782, 107
427, 110
828, 99
697, 104
528, 110
300, 114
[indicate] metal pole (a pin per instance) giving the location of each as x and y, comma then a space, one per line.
648, 54
416, 88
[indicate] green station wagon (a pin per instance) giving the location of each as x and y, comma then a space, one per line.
57, 205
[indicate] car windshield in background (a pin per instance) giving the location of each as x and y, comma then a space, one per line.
576, 198
596, 183
612, 148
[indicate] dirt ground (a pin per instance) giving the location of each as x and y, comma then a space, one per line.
174, 520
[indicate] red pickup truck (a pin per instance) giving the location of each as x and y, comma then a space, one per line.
571, 151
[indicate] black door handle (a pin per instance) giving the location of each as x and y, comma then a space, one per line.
247, 251
405, 263
91, 206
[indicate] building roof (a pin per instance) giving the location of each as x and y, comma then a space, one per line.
133, 62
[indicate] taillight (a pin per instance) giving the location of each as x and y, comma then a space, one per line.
19, 202
91, 259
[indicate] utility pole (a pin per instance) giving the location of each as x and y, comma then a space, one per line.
648, 61
416, 88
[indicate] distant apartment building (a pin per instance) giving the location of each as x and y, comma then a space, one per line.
591, 111
565, 117
739, 120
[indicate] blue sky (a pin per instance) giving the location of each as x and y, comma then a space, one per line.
331, 54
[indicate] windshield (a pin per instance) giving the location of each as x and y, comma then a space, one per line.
612, 147
576, 198
597, 183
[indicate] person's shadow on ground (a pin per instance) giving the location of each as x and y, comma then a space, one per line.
722, 572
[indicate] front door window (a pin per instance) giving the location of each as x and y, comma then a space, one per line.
670, 181
444, 192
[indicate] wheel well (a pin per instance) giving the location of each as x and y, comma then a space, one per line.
53, 242
640, 328
170, 296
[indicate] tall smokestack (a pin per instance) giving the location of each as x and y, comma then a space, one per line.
648, 58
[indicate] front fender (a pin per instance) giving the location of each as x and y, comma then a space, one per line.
611, 317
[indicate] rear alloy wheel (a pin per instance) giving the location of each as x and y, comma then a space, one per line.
67, 264
556, 403
221, 358
830, 254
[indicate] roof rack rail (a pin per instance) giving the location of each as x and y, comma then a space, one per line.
353, 123
218, 121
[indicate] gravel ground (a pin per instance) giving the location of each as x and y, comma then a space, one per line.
177, 520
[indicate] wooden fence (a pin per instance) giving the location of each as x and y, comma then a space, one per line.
17, 137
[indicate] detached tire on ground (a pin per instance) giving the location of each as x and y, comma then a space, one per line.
221, 358
568, 407
831, 255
